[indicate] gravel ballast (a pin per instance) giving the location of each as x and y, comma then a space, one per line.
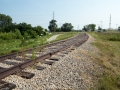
74, 71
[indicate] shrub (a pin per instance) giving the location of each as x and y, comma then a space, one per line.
23, 42
115, 37
18, 34
33, 34
7, 36
26, 35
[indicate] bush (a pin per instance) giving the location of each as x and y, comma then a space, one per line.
104, 29
1, 40
115, 37
26, 35
33, 34
18, 34
23, 42
7, 36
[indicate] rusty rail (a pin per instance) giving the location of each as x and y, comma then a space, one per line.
19, 67
11, 55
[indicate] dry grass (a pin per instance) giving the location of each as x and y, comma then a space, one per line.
109, 59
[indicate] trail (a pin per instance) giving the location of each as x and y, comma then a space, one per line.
53, 38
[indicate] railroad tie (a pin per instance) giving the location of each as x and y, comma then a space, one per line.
6, 86
64, 52
1, 69
26, 75
72, 48
40, 67
54, 59
9, 63
62, 55
49, 62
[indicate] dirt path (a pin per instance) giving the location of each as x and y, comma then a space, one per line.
53, 38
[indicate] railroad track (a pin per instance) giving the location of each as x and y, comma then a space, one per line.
15, 63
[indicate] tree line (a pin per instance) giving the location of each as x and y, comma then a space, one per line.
89, 27
66, 27
9, 29
27, 31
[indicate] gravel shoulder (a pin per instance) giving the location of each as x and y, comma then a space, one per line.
75, 71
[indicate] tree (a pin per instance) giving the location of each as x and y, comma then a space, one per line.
32, 34
99, 28
5, 20
91, 27
66, 27
52, 25
58, 29
24, 27
10, 27
85, 28
39, 30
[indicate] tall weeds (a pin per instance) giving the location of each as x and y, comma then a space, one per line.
109, 58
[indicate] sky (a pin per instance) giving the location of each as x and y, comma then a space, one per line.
76, 12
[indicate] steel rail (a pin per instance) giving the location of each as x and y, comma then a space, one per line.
19, 67
11, 55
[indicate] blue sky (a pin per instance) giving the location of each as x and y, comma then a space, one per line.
77, 12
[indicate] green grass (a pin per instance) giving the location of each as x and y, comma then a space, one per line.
65, 35
109, 59
8, 46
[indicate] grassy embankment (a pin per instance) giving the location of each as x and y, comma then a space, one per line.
7, 46
109, 45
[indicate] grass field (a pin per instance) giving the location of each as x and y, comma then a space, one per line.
8, 46
109, 45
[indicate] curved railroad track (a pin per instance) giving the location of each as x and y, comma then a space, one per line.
14, 63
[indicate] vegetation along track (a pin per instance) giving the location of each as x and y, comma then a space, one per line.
14, 63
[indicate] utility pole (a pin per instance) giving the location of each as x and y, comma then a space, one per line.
53, 22
78, 27
101, 23
60, 26
98, 26
110, 22
116, 26
53, 15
